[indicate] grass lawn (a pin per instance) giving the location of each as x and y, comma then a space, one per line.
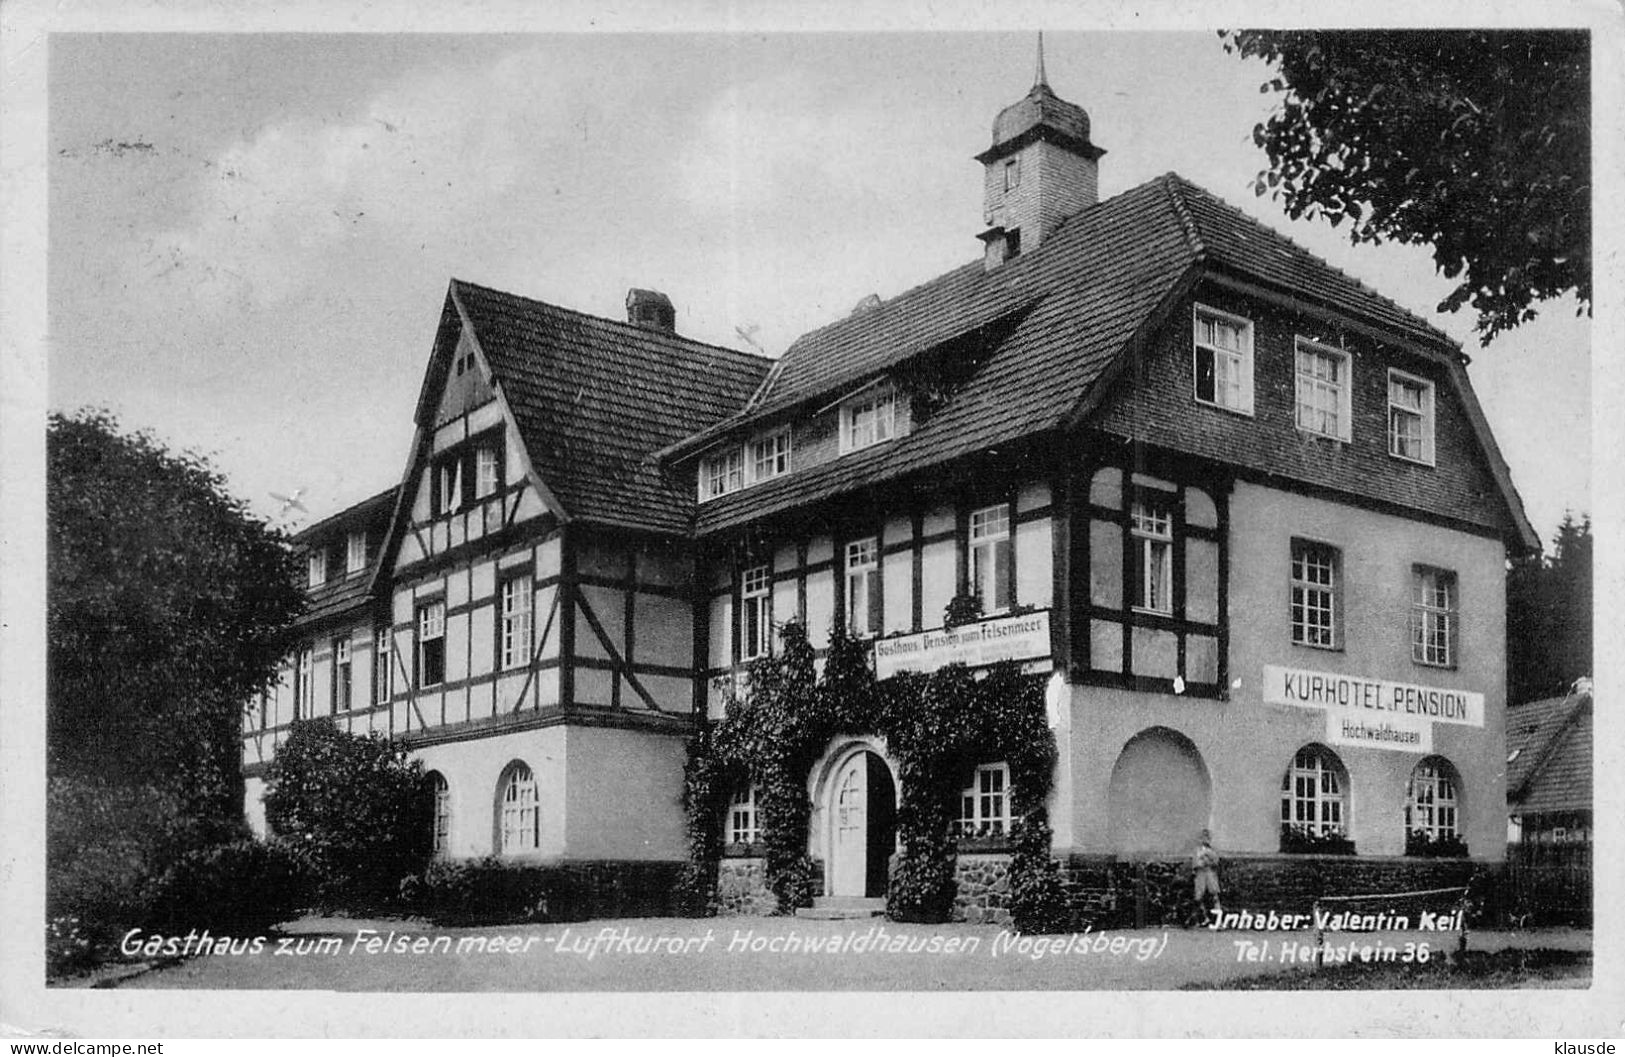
1510, 967
791, 954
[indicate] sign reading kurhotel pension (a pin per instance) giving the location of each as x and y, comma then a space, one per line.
1376, 713
1021, 637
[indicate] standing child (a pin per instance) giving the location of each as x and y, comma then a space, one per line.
1205, 868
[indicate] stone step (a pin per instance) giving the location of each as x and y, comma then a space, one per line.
842, 908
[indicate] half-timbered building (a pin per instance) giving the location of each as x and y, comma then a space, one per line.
1244, 511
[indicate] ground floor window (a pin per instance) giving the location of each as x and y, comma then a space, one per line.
744, 818
985, 805
440, 813
519, 825
1314, 800
1432, 809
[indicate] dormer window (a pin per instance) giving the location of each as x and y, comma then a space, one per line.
722, 473
868, 420
355, 553
770, 456
318, 567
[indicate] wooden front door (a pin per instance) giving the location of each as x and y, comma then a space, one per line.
850, 868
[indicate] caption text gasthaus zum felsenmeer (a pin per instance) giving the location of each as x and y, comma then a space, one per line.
612, 941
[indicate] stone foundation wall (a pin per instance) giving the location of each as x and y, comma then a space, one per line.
1109, 893
742, 887
984, 889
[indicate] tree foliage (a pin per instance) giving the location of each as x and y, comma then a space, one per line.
353, 809
168, 607
1476, 143
1549, 622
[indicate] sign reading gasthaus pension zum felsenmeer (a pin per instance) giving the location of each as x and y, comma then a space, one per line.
1022, 637
1376, 713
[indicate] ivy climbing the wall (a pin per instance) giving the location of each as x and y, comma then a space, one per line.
938, 727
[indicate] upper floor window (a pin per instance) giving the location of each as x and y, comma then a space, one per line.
770, 456
318, 567
516, 621
985, 806
487, 470
1323, 390
355, 552
448, 486
1410, 417
304, 683
991, 557
432, 644
1012, 173
869, 420
465, 474
756, 613
722, 473
1152, 527
342, 674
381, 663
863, 587
1433, 616
1224, 360
1315, 585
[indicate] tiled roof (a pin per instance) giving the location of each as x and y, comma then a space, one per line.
1085, 293
594, 397
348, 593
1549, 754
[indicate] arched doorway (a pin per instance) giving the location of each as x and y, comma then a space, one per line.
862, 825
1160, 798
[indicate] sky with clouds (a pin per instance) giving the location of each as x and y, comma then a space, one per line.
251, 235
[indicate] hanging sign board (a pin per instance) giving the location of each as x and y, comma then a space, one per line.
1019, 637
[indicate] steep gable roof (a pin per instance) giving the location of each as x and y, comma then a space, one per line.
1549, 754
593, 397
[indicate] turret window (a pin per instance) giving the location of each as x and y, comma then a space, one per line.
1012, 173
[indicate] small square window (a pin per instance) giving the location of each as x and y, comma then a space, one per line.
1012, 173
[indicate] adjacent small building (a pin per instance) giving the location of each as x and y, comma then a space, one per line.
1549, 785
1243, 513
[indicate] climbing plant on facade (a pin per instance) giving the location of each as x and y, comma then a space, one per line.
937, 726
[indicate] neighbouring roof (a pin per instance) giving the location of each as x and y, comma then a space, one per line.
594, 397
1077, 302
345, 593
1549, 754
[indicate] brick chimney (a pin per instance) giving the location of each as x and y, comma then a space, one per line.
1041, 169
651, 309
